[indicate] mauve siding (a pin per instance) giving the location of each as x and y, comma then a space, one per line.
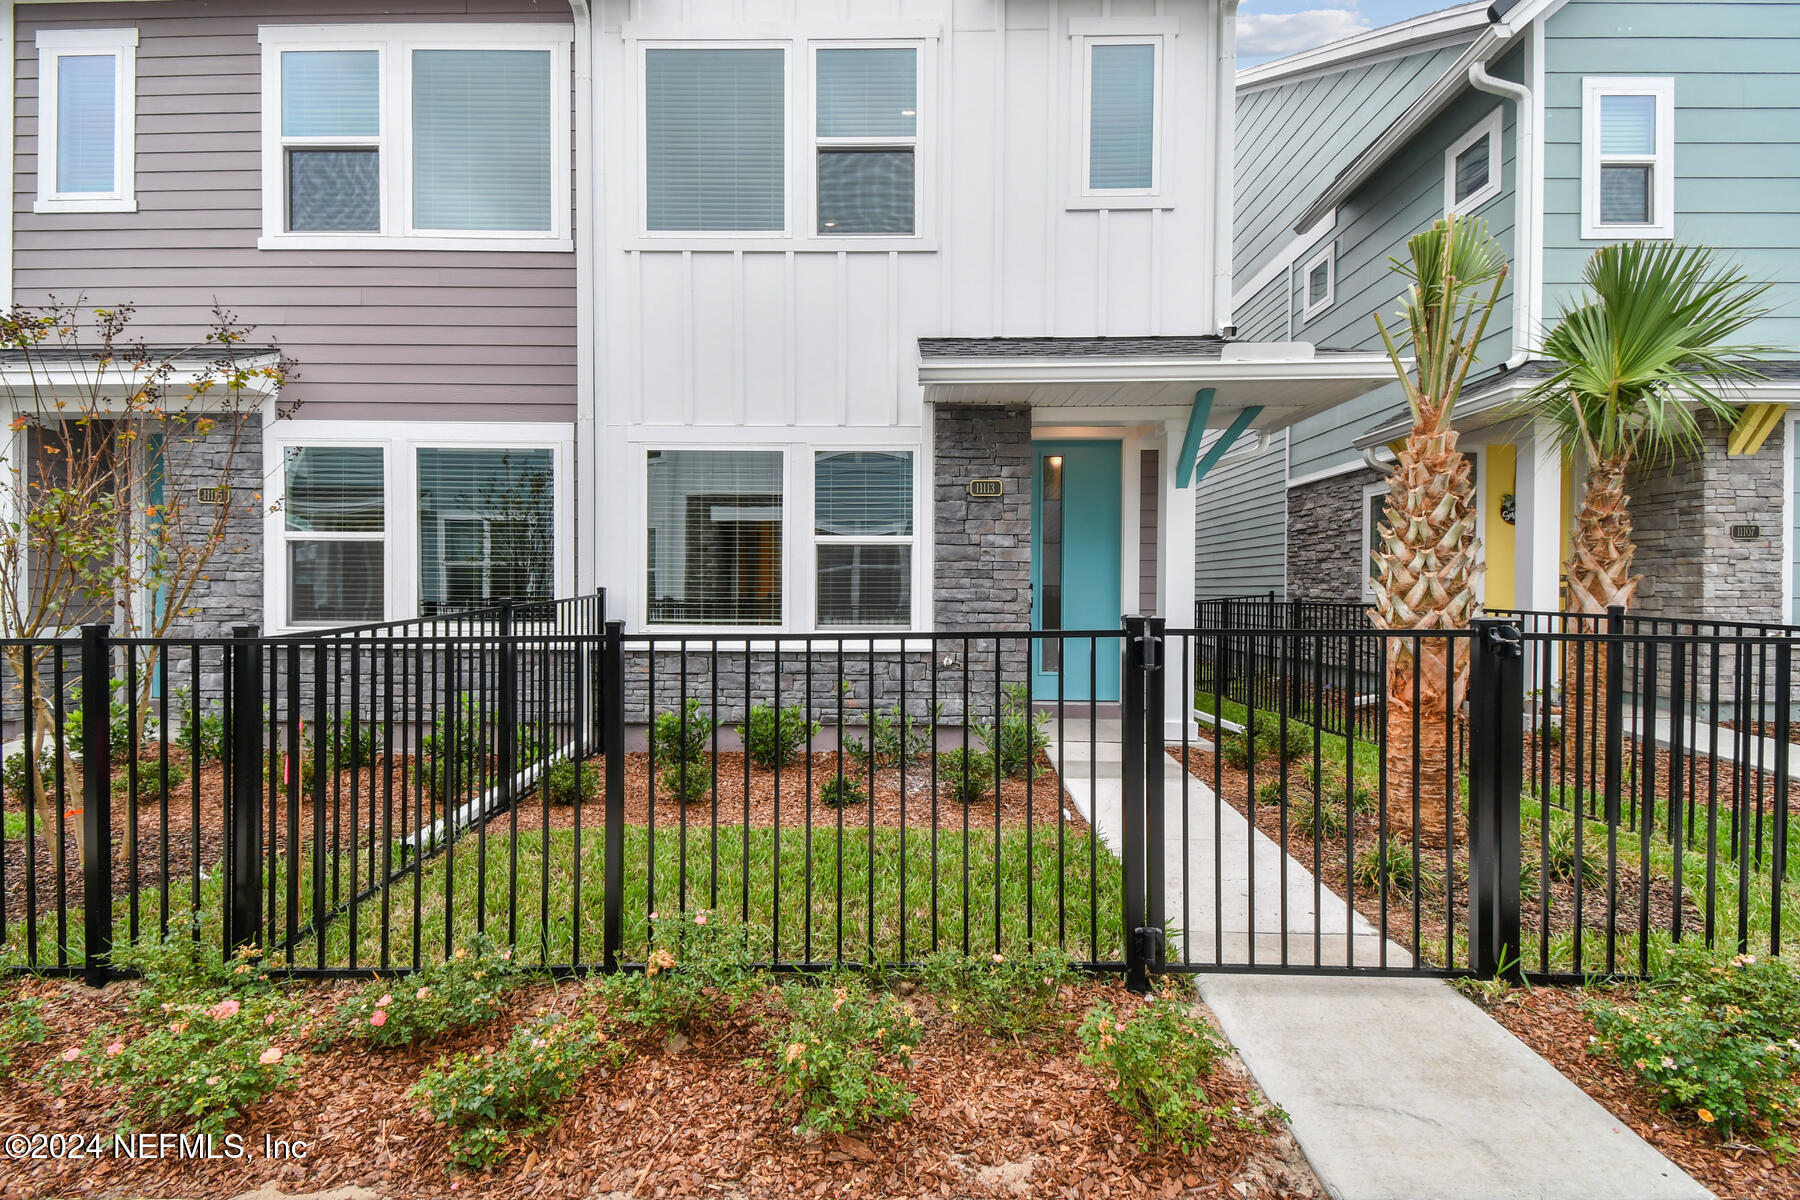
393, 334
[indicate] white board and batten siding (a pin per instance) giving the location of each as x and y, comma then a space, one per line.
801, 342
401, 334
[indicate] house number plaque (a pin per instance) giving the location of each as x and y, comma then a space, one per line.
984, 489
1746, 533
214, 495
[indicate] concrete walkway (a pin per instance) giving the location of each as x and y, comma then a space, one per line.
1398, 1089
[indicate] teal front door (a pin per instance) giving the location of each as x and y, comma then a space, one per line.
1075, 518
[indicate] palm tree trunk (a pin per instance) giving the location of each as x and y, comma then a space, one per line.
1598, 576
1425, 692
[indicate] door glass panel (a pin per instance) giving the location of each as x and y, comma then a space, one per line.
1051, 575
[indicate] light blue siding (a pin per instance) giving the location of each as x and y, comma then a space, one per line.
1402, 199
1240, 522
1292, 138
1736, 68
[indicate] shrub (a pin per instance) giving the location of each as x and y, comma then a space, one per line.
697, 962
203, 737
188, 962
772, 738
1006, 997
1270, 741
1021, 736
894, 738
21, 1024
1361, 798
451, 755
841, 791
968, 774
12, 773
1563, 863
1153, 1062
1716, 1037
118, 732
1318, 820
488, 1096
201, 1062
1268, 793
150, 779
565, 777
351, 743
678, 742
465, 990
829, 1046
1396, 865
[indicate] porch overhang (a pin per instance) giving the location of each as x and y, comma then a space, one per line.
45, 372
1150, 377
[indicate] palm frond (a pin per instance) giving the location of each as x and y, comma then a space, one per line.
1443, 312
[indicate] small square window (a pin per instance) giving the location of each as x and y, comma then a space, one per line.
1320, 282
715, 537
1624, 194
1472, 170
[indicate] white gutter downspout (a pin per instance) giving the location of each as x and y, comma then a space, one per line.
1224, 181
1527, 194
587, 451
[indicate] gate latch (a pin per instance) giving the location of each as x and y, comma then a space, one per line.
1149, 649
1149, 943
1503, 641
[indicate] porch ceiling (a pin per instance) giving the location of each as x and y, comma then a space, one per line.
1154, 376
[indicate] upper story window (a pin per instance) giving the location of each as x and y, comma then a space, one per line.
448, 137
1472, 167
715, 127
1123, 116
87, 104
1320, 275
866, 126
1628, 158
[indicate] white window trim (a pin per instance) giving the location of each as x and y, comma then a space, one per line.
1662, 163
799, 556
53, 44
1487, 128
809, 179
909, 540
395, 44
400, 441
1086, 35
1328, 256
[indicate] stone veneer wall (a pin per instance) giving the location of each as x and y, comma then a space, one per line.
1325, 538
982, 575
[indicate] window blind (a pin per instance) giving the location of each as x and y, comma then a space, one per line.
715, 536
863, 493
1628, 125
1625, 195
330, 93
715, 123
486, 527
1474, 168
1121, 117
86, 123
867, 92
335, 489
481, 139
330, 492
1316, 283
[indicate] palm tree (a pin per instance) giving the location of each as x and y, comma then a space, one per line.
1639, 358
1426, 562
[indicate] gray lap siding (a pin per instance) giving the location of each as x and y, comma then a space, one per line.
390, 334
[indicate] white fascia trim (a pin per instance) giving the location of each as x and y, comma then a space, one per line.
587, 302
1286, 257
1485, 130
1488, 46
1349, 468
1170, 370
18, 378
1389, 41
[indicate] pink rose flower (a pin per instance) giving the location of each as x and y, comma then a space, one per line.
422, 993
224, 1010
71, 1054
114, 1049
700, 919
271, 1055
379, 1019
384, 1001
269, 1020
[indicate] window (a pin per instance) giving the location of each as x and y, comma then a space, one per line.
1472, 167
1374, 504
866, 126
1320, 282
486, 527
381, 521
434, 136
715, 122
1628, 158
87, 106
1123, 116
714, 541
863, 528
334, 511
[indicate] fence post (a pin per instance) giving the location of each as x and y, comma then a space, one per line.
96, 803
1615, 711
1496, 774
612, 745
596, 716
1155, 762
246, 787
1131, 771
1778, 842
507, 679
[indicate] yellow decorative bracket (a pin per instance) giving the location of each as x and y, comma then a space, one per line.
1755, 423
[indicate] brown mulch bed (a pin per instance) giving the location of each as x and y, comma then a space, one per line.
1551, 1022
1436, 915
992, 1120
1019, 799
1765, 729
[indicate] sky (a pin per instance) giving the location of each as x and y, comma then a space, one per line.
1273, 28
